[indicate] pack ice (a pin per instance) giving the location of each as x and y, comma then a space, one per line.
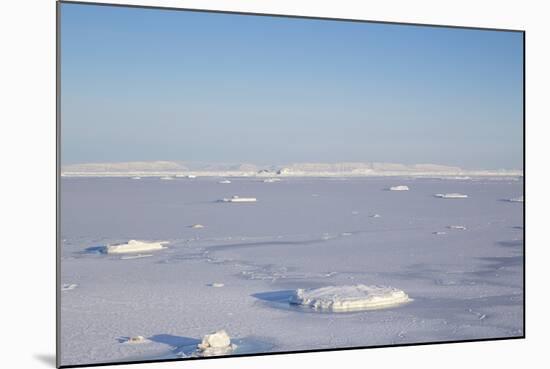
349, 298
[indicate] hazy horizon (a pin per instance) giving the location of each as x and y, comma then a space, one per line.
148, 85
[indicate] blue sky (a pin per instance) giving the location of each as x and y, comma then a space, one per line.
147, 84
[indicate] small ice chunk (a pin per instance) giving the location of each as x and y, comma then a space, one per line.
167, 178
225, 181
217, 343
136, 339
197, 226
271, 180
191, 176
68, 287
460, 227
451, 195
216, 284
138, 256
136, 177
399, 188
375, 216
516, 199
134, 246
439, 233
349, 298
236, 198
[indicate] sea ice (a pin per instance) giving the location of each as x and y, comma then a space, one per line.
225, 181
134, 246
439, 233
451, 195
349, 298
216, 284
271, 180
239, 199
399, 188
197, 226
68, 287
516, 199
136, 177
217, 343
375, 216
462, 228
136, 339
167, 178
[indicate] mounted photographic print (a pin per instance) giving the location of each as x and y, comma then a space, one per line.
241, 184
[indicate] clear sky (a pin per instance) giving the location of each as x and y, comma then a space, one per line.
147, 84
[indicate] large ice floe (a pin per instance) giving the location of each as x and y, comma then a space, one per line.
236, 198
349, 298
451, 196
399, 188
214, 344
134, 246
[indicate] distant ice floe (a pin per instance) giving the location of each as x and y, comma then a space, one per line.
137, 177
197, 226
167, 178
272, 180
376, 216
459, 227
138, 256
236, 198
216, 285
137, 340
516, 199
225, 181
349, 298
134, 246
399, 188
451, 195
191, 176
68, 287
439, 233
214, 344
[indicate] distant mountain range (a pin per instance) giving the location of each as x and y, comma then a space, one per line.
345, 169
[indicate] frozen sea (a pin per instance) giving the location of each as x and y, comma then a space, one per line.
301, 233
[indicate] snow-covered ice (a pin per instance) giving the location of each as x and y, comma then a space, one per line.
134, 246
236, 198
265, 252
459, 227
215, 344
516, 199
349, 298
399, 188
453, 195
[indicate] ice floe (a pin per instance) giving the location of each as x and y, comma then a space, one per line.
516, 199
451, 195
216, 284
460, 227
167, 178
134, 246
272, 180
399, 188
349, 298
137, 340
137, 177
217, 343
236, 198
376, 216
197, 226
225, 181
68, 287
438, 233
